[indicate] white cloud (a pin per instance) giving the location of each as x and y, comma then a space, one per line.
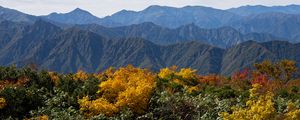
107, 7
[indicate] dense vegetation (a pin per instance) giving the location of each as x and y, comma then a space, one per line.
270, 91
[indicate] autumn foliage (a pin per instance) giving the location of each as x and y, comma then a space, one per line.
127, 87
2, 103
269, 90
258, 107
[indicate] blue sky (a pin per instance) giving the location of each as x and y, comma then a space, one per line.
103, 8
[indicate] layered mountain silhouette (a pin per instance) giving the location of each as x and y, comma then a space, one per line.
280, 21
77, 16
280, 24
14, 15
161, 15
247, 53
171, 17
260, 9
207, 39
68, 50
223, 37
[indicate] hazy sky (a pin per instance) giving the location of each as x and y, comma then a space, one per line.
107, 7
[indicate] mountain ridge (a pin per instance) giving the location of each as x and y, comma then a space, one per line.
258, 9
216, 48
282, 24
68, 50
221, 37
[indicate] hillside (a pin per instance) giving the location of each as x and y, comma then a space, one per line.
223, 37
279, 24
53, 48
14, 15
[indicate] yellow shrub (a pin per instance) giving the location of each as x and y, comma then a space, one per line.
193, 89
2, 103
179, 82
187, 73
292, 112
54, 77
127, 87
109, 72
186, 78
99, 76
97, 106
165, 73
42, 117
258, 107
81, 75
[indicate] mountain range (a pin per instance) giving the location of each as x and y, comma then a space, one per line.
14, 15
213, 41
280, 21
259, 9
223, 37
67, 50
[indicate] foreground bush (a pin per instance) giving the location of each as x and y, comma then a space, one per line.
127, 88
269, 91
261, 106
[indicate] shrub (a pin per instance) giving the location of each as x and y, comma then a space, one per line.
2, 103
128, 87
260, 106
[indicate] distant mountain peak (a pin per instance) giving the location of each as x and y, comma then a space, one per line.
76, 16
184, 7
15, 15
79, 11
154, 6
191, 7
123, 12
157, 7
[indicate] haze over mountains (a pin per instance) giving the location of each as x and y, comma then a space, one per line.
14, 15
222, 37
281, 21
259, 9
207, 39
